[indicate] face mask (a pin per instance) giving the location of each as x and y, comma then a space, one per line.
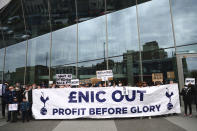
109, 84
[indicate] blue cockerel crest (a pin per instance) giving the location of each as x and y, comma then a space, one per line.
169, 95
43, 110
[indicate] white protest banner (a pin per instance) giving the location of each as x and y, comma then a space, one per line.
63, 79
0, 89
190, 80
105, 102
13, 107
104, 75
75, 82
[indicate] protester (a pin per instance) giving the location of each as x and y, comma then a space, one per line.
18, 95
195, 96
158, 83
25, 106
10, 100
139, 84
38, 87
28, 95
23, 88
4, 98
53, 86
15, 112
187, 98
105, 84
61, 86
114, 84
34, 86
100, 85
144, 84
43, 85
120, 84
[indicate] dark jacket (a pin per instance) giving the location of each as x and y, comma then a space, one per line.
4, 93
187, 93
195, 94
10, 96
29, 95
19, 95
24, 106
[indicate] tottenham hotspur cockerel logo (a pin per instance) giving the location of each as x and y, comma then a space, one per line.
169, 95
43, 110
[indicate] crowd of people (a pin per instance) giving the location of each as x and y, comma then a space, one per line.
19, 96
22, 97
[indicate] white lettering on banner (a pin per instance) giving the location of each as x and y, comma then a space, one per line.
106, 102
63, 79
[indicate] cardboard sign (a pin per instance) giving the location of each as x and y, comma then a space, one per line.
63, 79
170, 75
13, 107
157, 77
75, 82
104, 75
190, 80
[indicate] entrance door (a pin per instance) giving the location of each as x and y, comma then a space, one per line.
187, 67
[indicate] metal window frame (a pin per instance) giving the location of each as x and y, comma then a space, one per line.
179, 58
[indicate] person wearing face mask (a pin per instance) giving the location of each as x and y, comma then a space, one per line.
28, 95
18, 95
120, 84
10, 95
187, 93
34, 86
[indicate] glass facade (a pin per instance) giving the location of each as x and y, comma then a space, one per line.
133, 38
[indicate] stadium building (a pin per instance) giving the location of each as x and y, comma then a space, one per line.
136, 39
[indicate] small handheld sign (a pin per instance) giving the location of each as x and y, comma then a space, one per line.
63, 79
104, 75
75, 82
189, 81
13, 107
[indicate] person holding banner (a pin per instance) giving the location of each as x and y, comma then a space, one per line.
144, 84
187, 93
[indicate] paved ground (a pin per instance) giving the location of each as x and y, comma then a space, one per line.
169, 123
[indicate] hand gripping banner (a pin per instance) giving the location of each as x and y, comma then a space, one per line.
105, 102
